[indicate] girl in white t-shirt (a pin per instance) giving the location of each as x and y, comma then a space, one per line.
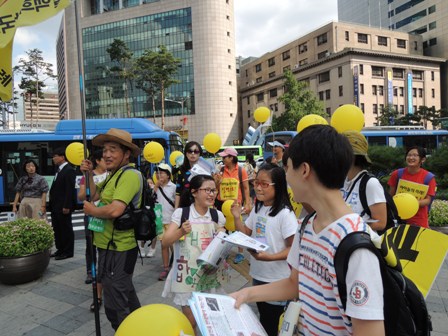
190, 237
273, 222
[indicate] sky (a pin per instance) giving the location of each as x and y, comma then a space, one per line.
260, 26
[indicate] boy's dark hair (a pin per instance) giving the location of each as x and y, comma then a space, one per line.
360, 161
328, 153
96, 156
186, 164
30, 161
281, 199
285, 157
59, 151
186, 199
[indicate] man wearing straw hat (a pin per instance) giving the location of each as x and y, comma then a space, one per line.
117, 247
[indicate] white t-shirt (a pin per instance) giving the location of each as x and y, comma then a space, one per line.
272, 231
374, 194
322, 311
167, 209
194, 215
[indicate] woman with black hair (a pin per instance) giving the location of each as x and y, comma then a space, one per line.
273, 222
32, 189
192, 153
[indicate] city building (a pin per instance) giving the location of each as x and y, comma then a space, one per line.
424, 17
42, 109
200, 33
346, 64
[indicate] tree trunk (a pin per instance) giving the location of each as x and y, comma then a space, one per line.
154, 108
128, 108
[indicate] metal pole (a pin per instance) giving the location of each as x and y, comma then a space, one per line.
87, 181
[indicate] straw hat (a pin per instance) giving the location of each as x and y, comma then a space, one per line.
359, 143
119, 136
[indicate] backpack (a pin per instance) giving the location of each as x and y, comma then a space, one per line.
186, 214
142, 219
393, 219
405, 311
429, 176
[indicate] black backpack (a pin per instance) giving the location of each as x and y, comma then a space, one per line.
186, 214
393, 219
143, 219
405, 311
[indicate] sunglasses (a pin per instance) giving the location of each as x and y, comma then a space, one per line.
196, 151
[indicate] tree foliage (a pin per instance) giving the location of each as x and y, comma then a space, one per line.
154, 73
299, 101
35, 72
121, 55
388, 116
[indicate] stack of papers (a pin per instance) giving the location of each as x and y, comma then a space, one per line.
216, 316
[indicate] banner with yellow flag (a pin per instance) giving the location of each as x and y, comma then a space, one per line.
420, 252
14, 14
6, 72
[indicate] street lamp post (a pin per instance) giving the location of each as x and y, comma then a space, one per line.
182, 103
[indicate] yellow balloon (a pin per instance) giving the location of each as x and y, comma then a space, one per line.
262, 114
153, 152
75, 153
154, 177
155, 320
230, 220
212, 142
173, 157
310, 119
347, 117
407, 205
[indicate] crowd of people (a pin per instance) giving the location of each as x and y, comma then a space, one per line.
320, 169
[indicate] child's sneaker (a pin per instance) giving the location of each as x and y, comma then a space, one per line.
142, 250
239, 258
163, 275
151, 252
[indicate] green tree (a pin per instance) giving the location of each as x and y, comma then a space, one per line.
154, 73
35, 72
121, 55
388, 116
299, 101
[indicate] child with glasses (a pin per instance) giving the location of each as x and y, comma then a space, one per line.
273, 222
191, 234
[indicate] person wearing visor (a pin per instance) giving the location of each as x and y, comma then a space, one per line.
278, 148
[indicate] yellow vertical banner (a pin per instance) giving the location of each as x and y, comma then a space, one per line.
421, 253
6, 72
9, 14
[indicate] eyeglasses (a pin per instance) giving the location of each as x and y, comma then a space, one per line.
209, 191
193, 151
262, 184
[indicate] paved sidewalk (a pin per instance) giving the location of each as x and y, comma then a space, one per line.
58, 303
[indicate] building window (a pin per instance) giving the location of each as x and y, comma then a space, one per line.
230, 82
229, 51
273, 93
328, 110
328, 94
414, 92
228, 17
260, 97
417, 74
361, 69
258, 67
395, 91
340, 72
303, 61
347, 36
286, 55
361, 88
362, 38
272, 74
258, 80
401, 109
425, 44
433, 41
303, 47
324, 77
374, 90
381, 90
433, 93
362, 107
401, 91
432, 25
377, 71
382, 41
341, 90
248, 113
228, 34
432, 75
321, 95
398, 73
414, 108
248, 100
188, 45
432, 9
230, 99
271, 61
420, 92
321, 39
375, 108
401, 43
286, 68
322, 54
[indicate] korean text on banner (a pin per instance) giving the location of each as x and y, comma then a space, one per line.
6, 72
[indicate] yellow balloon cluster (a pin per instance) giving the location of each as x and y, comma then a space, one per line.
153, 152
155, 320
347, 117
310, 119
75, 153
407, 205
212, 142
262, 114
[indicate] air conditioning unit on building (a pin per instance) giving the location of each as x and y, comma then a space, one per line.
296, 66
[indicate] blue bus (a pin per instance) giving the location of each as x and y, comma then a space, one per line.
17, 146
393, 136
